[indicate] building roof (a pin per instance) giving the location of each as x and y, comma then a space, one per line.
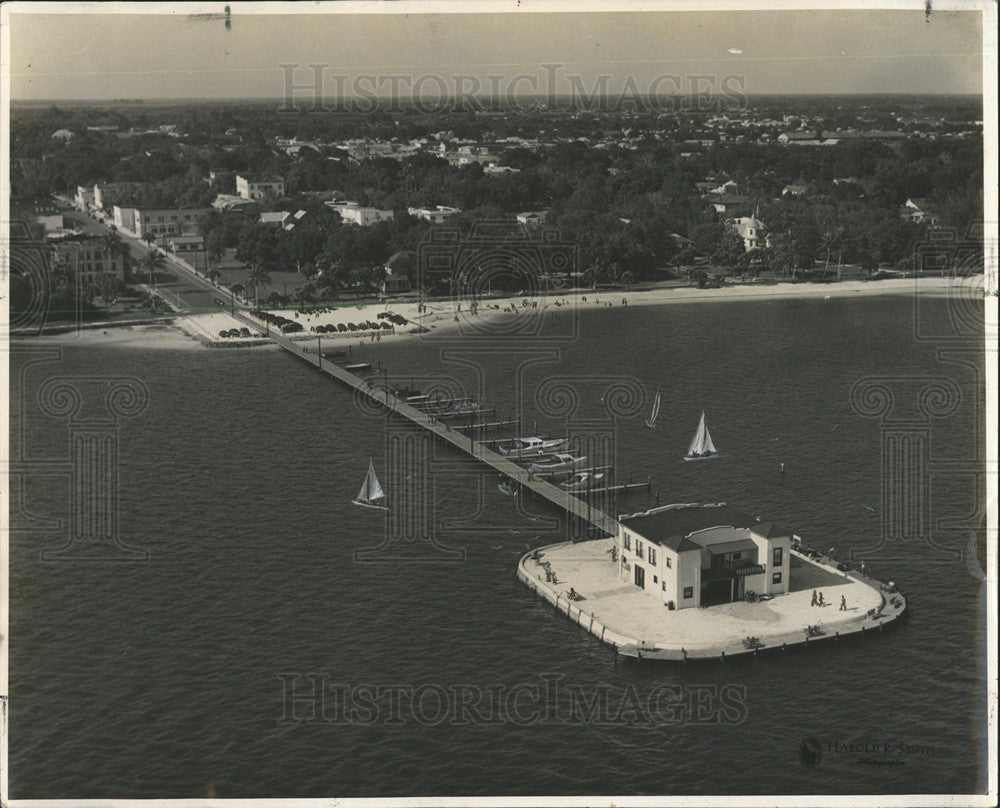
671, 525
274, 217
737, 546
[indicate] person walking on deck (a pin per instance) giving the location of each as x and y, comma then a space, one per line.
821, 602
843, 603
814, 600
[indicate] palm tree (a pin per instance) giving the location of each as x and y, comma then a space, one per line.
213, 276
151, 262
149, 238
831, 242
256, 277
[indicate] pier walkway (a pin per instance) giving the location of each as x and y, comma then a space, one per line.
455, 435
635, 623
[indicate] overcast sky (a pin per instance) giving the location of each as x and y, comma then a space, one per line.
108, 55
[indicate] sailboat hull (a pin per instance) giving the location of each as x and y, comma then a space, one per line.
371, 505
703, 457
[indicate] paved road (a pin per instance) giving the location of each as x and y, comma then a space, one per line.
178, 285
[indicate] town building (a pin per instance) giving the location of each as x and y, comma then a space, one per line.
276, 217
532, 217
355, 214
230, 202
435, 215
109, 194
84, 199
140, 222
88, 258
190, 248
260, 187
57, 226
753, 232
918, 210
702, 555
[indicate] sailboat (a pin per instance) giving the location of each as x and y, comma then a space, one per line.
701, 447
371, 494
651, 421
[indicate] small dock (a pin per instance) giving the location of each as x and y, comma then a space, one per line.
444, 430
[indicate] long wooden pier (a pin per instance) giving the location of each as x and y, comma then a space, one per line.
307, 351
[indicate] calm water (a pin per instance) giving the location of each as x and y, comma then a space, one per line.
153, 679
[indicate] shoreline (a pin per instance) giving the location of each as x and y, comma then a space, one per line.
445, 316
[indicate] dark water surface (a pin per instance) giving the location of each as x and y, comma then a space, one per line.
155, 678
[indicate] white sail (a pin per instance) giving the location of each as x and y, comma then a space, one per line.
701, 444
651, 422
371, 490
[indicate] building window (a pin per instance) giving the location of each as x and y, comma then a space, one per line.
776, 578
669, 562
656, 580
628, 542
688, 592
778, 556
663, 586
652, 556
638, 548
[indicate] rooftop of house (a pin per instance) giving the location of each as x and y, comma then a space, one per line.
671, 525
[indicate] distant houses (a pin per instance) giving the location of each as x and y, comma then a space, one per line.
255, 188
752, 231
275, 217
230, 202
435, 215
532, 217
918, 210
354, 213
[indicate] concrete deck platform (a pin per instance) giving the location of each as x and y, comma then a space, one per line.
639, 624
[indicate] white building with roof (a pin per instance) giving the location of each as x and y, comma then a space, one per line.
753, 232
691, 555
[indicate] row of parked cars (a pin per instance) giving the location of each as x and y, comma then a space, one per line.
396, 319
283, 324
316, 309
342, 327
235, 332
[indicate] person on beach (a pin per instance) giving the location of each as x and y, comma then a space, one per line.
814, 600
843, 603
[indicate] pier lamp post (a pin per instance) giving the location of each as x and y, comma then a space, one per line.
319, 350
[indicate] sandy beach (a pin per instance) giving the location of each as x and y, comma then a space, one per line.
441, 317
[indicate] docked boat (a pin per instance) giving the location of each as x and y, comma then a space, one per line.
371, 494
582, 481
701, 447
507, 487
530, 446
556, 464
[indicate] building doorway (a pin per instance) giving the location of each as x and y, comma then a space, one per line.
640, 577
